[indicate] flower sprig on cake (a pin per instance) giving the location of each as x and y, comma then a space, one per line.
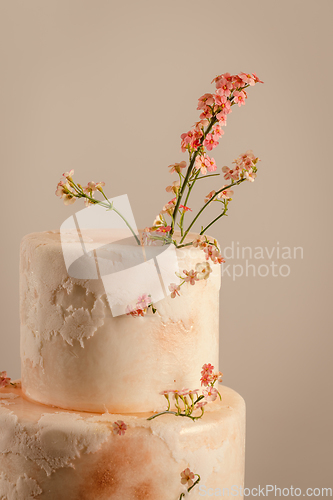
202, 138
186, 402
189, 479
5, 381
142, 306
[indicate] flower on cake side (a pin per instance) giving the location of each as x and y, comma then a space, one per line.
141, 307
6, 381
188, 479
119, 427
187, 402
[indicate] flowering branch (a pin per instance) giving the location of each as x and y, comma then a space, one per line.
187, 477
69, 192
186, 402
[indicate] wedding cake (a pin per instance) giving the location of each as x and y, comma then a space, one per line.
118, 397
76, 427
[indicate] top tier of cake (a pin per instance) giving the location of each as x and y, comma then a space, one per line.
79, 353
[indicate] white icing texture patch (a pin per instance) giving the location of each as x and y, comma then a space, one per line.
60, 438
25, 488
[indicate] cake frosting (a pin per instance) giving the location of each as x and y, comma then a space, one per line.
82, 422
53, 454
75, 354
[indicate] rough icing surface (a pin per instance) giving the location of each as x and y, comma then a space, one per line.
76, 355
50, 454
25, 488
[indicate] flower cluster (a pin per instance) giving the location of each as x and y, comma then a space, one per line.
204, 136
4, 380
119, 427
187, 401
245, 168
69, 191
141, 307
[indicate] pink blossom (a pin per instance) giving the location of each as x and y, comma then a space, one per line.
169, 207
187, 477
68, 198
184, 392
210, 196
210, 252
239, 97
119, 427
174, 187
205, 100
193, 392
223, 102
207, 368
230, 173
200, 241
210, 142
143, 301
246, 78
256, 79
135, 311
177, 167
217, 131
222, 118
68, 175
4, 380
190, 276
210, 393
163, 229
250, 175
204, 162
206, 379
174, 289
226, 193
164, 393
224, 87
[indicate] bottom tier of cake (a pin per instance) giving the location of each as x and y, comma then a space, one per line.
47, 453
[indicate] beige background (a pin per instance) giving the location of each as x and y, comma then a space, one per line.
107, 88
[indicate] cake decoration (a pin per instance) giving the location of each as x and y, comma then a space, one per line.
83, 423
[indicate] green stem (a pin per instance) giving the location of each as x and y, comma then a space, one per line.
206, 205
127, 224
188, 173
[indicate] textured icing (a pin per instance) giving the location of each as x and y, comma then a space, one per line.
76, 456
76, 355
24, 488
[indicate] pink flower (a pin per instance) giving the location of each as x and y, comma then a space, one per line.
143, 301
190, 140
210, 142
205, 100
239, 97
246, 78
230, 173
163, 229
250, 175
204, 162
135, 311
223, 87
68, 175
174, 187
177, 167
210, 393
210, 196
222, 118
184, 392
164, 393
4, 380
174, 289
223, 102
210, 252
193, 392
190, 276
256, 79
207, 368
218, 132
226, 193
187, 477
119, 427
169, 207
206, 379
200, 241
